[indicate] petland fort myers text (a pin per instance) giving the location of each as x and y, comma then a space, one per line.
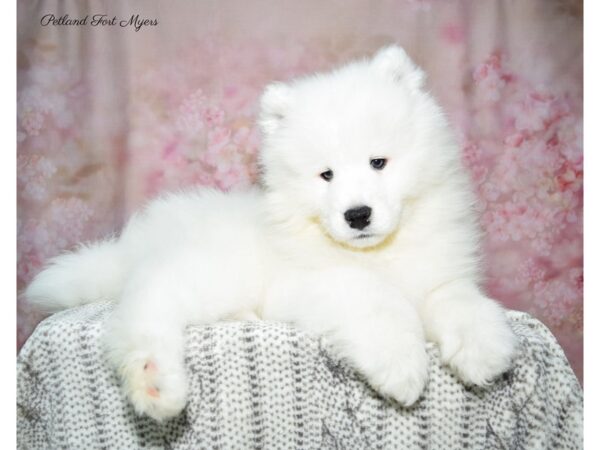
98, 20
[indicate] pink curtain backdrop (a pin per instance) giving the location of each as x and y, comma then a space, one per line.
108, 117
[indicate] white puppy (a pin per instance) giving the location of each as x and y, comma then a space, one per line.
364, 231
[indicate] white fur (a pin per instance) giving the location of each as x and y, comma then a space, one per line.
285, 252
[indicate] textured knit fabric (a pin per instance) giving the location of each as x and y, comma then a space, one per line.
268, 385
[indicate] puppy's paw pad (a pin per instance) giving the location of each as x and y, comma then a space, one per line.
152, 392
158, 395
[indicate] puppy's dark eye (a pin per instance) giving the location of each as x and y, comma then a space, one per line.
378, 163
327, 175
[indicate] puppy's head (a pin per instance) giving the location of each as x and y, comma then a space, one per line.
351, 148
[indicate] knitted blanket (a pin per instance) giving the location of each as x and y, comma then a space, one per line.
269, 385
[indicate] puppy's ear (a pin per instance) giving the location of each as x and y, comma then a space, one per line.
395, 62
274, 105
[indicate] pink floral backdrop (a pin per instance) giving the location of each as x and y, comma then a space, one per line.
109, 116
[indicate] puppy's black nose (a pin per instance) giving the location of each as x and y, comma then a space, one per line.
358, 218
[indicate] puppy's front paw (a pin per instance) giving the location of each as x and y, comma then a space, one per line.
406, 380
153, 390
479, 349
400, 375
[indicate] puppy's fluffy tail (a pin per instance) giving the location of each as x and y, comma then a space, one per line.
93, 272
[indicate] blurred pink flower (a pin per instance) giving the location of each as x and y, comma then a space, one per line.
190, 114
213, 116
491, 78
33, 174
452, 33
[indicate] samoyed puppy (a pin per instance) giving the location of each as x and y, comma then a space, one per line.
363, 230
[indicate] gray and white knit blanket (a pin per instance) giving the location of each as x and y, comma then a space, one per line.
266, 385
